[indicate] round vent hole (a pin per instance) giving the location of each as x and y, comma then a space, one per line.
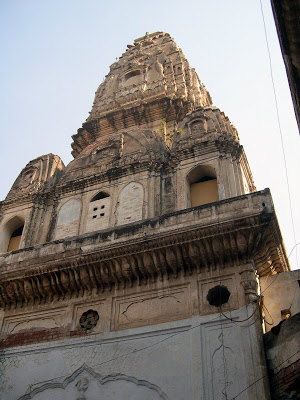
89, 320
218, 295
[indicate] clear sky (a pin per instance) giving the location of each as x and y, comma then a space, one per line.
56, 53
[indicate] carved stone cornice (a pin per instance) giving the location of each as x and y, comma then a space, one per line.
116, 121
207, 143
230, 232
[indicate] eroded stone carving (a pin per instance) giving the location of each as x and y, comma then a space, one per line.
191, 248
249, 283
34, 176
151, 70
82, 386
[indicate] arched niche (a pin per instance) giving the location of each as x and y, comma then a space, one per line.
98, 214
130, 203
11, 234
68, 219
133, 77
198, 126
203, 185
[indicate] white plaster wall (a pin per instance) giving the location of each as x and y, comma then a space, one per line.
199, 358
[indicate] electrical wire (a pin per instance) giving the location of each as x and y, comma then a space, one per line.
270, 283
164, 339
268, 323
242, 320
126, 354
135, 351
264, 376
129, 353
293, 249
280, 131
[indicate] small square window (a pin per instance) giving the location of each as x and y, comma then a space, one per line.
95, 208
102, 215
102, 207
94, 216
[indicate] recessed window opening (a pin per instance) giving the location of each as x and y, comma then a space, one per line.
95, 208
18, 231
132, 74
203, 185
102, 215
99, 196
205, 179
94, 216
102, 207
15, 239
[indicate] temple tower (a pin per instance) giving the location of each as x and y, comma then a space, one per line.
133, 272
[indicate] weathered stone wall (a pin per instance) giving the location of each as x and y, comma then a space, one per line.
282, 345
281, 296
121, 289
128, 307
195, 358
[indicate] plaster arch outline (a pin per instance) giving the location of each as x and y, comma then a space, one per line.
130, 205
84, 375
68, 219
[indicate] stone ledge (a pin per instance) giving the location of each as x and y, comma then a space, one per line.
180, 242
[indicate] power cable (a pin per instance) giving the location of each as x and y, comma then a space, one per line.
126, 354
270, 283
293, 249
280, 131
135, 351
242, 320
264, 376
268, 323
157, 343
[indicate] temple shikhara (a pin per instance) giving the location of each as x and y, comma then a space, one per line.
138, 270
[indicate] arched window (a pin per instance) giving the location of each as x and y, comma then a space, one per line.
98, 212
100, 196
203, 185
15, 239
11, 234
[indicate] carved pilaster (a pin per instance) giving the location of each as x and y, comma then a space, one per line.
249, 283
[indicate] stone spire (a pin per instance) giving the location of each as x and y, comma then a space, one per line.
151, 81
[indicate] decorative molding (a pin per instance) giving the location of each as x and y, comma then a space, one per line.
157, 249
225, 280
151, 307
44, 319
84, 374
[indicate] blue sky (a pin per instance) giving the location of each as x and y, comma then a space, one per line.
56, 53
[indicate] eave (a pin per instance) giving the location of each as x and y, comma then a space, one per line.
227, 233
